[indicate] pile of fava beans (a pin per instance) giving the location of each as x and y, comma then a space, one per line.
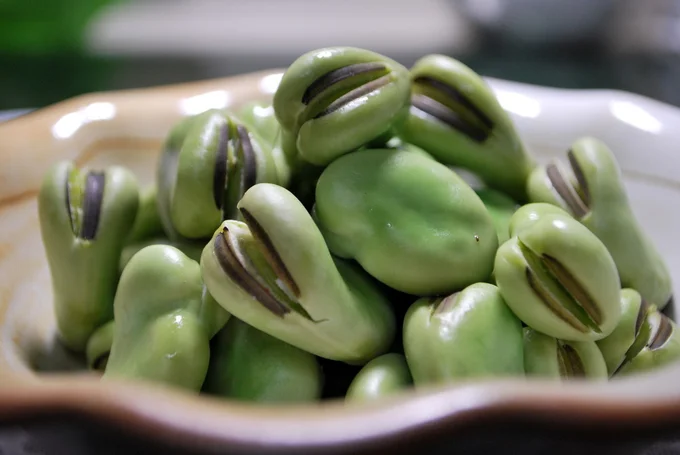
326, 245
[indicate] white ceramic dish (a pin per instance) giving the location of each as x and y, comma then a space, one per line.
127, 127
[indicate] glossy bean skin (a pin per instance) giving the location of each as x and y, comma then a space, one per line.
249, 365
559, 279
275, 272
469, 334
332, 101
593, 191
207, 162
410, 222
85, 216
547, 357
161, 332
381, 377
456, 117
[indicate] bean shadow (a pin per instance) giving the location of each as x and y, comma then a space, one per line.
53, 357
338, 375
669, 309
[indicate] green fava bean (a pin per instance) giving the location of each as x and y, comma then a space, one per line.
469, 334
559, 279
147, 221
528, 214
456, 117
190, 248
410, 221
259, 117
207, 164
335, 100
213, 315
630, 335
85, 217
275, 273
247, 364
99, 347
661, 347
381, 377
396, 143
166, 171
501, 208
303, 175
547, 357
593, 191
160, 333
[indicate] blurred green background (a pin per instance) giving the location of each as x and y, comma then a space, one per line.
51, 50
42, 54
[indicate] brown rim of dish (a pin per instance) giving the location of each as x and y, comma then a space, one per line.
182, 419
